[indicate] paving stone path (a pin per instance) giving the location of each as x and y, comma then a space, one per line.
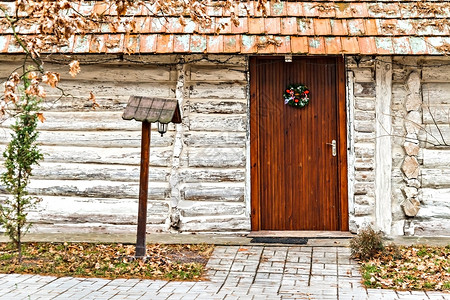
246, 272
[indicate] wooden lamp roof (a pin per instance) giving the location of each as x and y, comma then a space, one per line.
146, 109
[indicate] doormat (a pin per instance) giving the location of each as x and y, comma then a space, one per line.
279, 240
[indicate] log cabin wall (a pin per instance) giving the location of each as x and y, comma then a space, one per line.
199, 173
417, 135
89, 179
421, 161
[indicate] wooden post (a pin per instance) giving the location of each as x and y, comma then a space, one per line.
143, 190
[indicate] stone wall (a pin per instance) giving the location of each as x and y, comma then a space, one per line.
89, 179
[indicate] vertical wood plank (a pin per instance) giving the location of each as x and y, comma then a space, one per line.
254, 147
383, 146
342, 147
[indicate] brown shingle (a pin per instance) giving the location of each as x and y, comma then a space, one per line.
299, 44
322, 27
333, 45
312, 27
316, 45
164, 43
367, 45
272, 25
350, 45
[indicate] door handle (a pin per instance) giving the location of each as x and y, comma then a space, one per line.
333, 147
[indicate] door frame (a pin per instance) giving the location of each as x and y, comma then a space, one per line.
255, 212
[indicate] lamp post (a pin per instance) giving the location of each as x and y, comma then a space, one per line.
143, 189
148, 110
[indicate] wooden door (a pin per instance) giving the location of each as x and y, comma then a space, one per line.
297, 183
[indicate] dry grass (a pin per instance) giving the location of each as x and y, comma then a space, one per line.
170, 262
417, 267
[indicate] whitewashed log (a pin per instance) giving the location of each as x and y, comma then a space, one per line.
221, 74
196, 209
432, 209
399, 73
365, 176
107, 72
364, 126
90, 228
215, 139
218, 107
216, 224
364, 200
364, 115
100, 139
364, 163
213, 192
95, 188
436, 73
363, 63
363, 210
84, 121
79, 171
363, 74
105, 210
365, 188
216, 157
114, 89
212, 175
434, 227
83, 103
439, 115
433, 195
439, 158
222, 123
435, 94
364, 137
364, 89
226, 90
212, 60
160, 157
117, 73
436, 178
436, 135
365, 103
365, 150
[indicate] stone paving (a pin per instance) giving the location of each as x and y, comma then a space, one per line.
235, 272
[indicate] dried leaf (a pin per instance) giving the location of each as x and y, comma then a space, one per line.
41, 117
74, 68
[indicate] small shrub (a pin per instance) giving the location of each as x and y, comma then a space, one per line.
366, 244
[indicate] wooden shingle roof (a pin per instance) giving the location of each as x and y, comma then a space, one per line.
298, 27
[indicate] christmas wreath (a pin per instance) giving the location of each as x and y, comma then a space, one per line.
296, 95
